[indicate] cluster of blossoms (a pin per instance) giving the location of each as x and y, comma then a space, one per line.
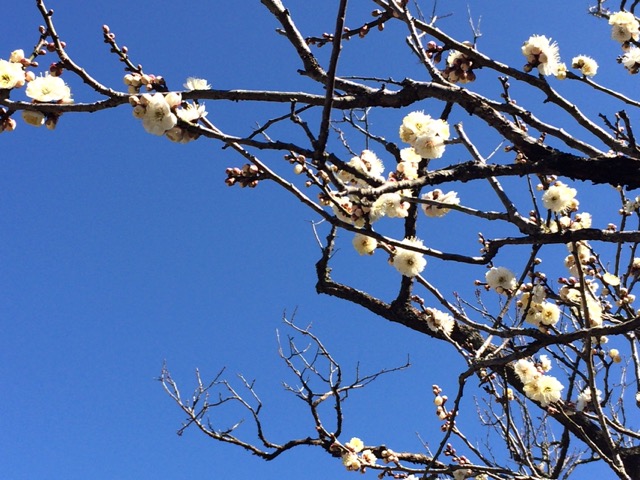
437, 195
353, 210
366, 165
626, 29
537, 311
364, 244
539, 387
409, 262
579, 258
439, 321
355, 457
542, 54
407, 168
426, 135
560, 198
564, 222
590, 306
160, 114
49, 88
364, 170
501, 279
459, 67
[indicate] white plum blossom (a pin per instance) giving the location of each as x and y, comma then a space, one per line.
560, 198
587, 65
191, 113
631, 60
48, 89
194, 83
158, 117
11, 75
625, 27
561, 71
389, 205
544, 389
585, 398
408, 154
500, 279
542, 53
364, 244
550, 314
439, 321
450, 198
410, 161
368, 457
426, 135
17, 56
544, 363
355, 445
526, 370
537, 386
351, 461
408, 262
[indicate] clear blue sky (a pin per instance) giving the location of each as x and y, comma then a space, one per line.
119, 250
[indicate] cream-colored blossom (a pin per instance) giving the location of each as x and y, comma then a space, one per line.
450, 198
582, 220
500, 279
11, 75
48, 89
542, 53
561, 71
560, 198
368, 457
631, 60
174, 99
194, 83
408, 154
585, 398
426, 135
439, 321
408, 262
355, 445
587, 65
158, 117
412, 124
17, 56
625, 27
544, 389
351, 461
389, 205
544, 363
408, 167
550, 314
526, 370
191, 113
364, 244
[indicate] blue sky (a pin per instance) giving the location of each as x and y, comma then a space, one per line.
120, 250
